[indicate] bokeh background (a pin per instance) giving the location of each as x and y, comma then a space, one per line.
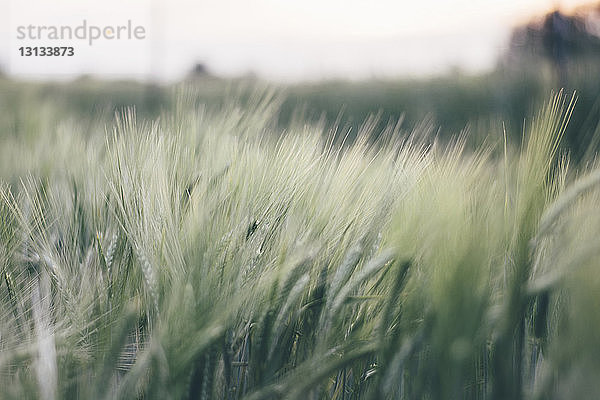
474, 67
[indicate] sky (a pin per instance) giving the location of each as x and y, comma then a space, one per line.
284, 40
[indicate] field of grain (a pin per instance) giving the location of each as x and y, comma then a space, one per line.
212, 253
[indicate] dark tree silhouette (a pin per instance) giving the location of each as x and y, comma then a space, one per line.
557, 38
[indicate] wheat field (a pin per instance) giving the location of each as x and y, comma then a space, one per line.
213, 254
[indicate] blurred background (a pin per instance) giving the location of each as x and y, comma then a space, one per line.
472, 66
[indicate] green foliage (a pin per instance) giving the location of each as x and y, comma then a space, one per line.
215, 255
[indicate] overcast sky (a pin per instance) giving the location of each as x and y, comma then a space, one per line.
277, 39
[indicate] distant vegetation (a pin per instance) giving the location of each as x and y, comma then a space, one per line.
482, 106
